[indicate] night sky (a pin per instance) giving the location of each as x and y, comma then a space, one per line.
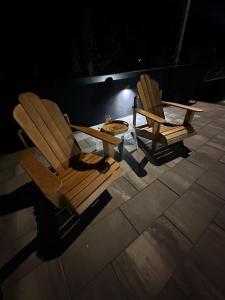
97, 41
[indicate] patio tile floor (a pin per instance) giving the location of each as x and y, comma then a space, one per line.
161, 236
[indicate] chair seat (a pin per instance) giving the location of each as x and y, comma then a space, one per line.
171, 132
80, 186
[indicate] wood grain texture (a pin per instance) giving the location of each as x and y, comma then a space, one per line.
62, 125
196, 109
37, 138
89, 185
27, 100
48, 183
149, 115
98, 134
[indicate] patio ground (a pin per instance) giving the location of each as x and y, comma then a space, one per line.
161, 236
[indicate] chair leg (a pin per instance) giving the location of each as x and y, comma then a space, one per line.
120, 148
134, 136
154, 145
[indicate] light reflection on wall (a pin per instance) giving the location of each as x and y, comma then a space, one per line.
124, 100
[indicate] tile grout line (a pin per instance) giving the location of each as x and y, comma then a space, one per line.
167, 186
131, 185
69, 296
132, 225
182, 233
209, 190
106, 265
217, 225
120, 283
212, 221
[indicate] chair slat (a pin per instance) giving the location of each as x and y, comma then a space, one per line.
93, 184
52, 125
37, 138
146, 91
158, 106
27, 100
85, 184
63, 127
78, 176
93, 196
143, 100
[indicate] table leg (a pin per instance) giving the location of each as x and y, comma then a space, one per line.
120, 148
109, 149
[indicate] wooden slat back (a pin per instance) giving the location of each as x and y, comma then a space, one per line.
144, 100
31, 104
24, 120
63, 126
149, 93
46, 117
158, 107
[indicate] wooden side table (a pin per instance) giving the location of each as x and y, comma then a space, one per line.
119, 129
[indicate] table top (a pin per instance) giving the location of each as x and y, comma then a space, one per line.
115, 127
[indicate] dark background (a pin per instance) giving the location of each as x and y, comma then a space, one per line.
61, 56
111, 39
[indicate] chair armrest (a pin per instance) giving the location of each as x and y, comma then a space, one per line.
98, 134
48, 183
150, 115
195, 109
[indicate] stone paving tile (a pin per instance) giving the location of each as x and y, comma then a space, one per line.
214, 179
121, 191
193, 212
104, 286
172, 292
218, 141
195, 142
14, 183
220, 218
209, 254
138, 182
121, 188
6, 174
220, 122
146, 265
11, 248
194, 284
9, 160
200, 122
149, 204
205, 156
222, 159
209, 130
44, 282
95, 248
16, 224
182, 176
174, 162
202, 276
153, 172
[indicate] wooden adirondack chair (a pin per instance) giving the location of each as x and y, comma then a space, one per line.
77, 178
157, 128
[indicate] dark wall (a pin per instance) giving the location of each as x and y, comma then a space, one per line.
87, 100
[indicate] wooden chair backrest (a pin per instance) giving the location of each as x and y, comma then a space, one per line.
149, 93
46, 126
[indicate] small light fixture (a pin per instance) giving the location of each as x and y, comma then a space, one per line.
109, 80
